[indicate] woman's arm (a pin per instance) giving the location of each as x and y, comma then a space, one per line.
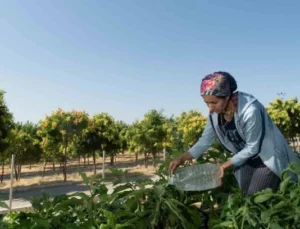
204, 142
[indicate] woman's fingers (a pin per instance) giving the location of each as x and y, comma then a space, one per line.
173, 165
221, 172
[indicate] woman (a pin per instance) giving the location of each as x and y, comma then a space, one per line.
243, 127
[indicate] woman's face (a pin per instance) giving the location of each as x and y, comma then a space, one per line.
215, 104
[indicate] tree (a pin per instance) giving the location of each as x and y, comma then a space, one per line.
133, 136
91, 140
24, 143
101, 134
172, 140
122, 128
6, 122
51, 151
78, 148
36, 151
152, 133
107, 133
191, 125
62, 128
6, 125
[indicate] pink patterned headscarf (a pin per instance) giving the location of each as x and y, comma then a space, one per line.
215, 84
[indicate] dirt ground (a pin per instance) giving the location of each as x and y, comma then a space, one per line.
33, 176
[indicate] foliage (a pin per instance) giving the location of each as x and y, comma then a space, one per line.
153, 132
24, 144
286, 115
61, 128
104, 128
122, 128
6, 125
149, 135
134, 137
154, 204
265, 209
191, 125
142, 204
171, 137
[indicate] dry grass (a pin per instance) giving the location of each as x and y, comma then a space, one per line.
33, 176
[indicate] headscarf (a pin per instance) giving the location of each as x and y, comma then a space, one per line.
215, 84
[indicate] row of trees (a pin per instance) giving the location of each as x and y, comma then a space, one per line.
74, 134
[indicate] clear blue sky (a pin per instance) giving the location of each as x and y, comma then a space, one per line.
126, 57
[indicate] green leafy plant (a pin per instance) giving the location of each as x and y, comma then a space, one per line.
265, 209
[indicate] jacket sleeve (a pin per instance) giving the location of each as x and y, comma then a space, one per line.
253, 130
204, 142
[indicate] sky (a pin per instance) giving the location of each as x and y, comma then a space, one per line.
126, 57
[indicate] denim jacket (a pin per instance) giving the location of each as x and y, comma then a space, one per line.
262, 137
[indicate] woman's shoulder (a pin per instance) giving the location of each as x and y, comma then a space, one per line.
245, 102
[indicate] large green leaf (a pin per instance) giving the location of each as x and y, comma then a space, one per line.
284, 184
275, 226
263, 196
85, 178
172, 205
111, 218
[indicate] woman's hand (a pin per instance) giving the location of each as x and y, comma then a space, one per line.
223, 167
174, 164
179, 161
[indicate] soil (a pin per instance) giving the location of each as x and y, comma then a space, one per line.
33, 175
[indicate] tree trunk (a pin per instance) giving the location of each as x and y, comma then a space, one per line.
16, 172
19, 170
53, 165
154, 159
45, 164
63, 167
79, 164
2, 174
103, 164
94, 159
294, 144
65, 163
84, 161
112, 155
29, 165
146, 160
136, 158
